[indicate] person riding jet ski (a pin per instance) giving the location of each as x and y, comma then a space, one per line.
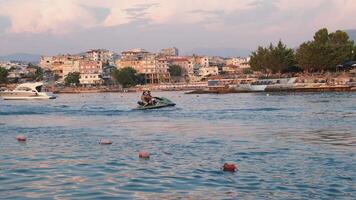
149, 102
147, 98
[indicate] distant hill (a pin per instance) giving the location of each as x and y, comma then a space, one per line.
224, 52
21, 57
352, 34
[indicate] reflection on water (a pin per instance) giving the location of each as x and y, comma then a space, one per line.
299, 146
339, 137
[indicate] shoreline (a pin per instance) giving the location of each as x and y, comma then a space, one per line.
320, 89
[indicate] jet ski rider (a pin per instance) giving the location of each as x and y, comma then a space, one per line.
147, 98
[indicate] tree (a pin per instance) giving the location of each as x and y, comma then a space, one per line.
3, 75
326, 51
72, 78
128, 77
247, 71
175, 70
273, 58
38, 74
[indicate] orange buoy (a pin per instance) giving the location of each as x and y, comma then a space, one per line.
105, 142
21, 138
229, 167
144, 155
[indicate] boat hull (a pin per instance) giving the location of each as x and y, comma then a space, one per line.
25, 95
251, 88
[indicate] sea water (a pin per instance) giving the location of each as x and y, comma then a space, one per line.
286, 146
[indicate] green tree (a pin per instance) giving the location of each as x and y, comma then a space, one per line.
259, 59
273, 58
3, 75
175, 70
128, 77
247, 71
72, 78
326, 51
38, 74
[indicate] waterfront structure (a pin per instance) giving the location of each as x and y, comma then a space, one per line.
90, 72
154, 67
170, 51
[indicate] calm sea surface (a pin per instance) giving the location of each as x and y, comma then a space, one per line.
286, 146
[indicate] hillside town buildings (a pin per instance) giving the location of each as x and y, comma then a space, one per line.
154, 67
95, 65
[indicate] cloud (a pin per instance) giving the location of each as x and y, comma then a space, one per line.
70, 25
65, 16
53, 16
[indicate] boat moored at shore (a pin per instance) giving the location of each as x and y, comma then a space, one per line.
262, 85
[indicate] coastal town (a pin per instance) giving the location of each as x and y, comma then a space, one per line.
177, 99
96, 66
102, 70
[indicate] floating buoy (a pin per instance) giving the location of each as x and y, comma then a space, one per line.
105, 142
144, 154
229, 167
21, 138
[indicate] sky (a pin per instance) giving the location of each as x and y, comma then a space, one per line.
50, 27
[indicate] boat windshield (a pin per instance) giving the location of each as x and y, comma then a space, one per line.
39, 88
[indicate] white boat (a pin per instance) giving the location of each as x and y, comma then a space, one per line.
27, 91
260, 85
252, 88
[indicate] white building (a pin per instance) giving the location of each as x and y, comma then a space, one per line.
208, 71
238, 61
90, 72
102, 55
170, 51
204, 61
8, 65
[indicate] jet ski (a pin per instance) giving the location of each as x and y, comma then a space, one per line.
159, 102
